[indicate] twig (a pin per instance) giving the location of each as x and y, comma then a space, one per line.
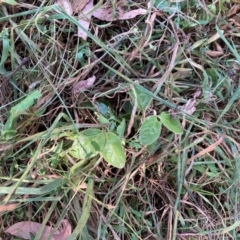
23, 62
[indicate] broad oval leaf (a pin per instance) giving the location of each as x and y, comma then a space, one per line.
88, 144
143, 99
150, 130
113, 151
171, 123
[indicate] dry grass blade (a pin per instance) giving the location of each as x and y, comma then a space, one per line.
206, 150
170, 67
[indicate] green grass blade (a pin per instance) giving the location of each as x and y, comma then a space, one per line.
234, 97
232, 49
85, 210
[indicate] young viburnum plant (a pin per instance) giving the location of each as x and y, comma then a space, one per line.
152, 125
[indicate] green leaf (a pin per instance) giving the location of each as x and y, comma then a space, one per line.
103, 108
134, 144
25, 104
102, 119
113, 151
5, 46
152, 147
54, 159
162, 4
170, 123
121, 128
20, 108
49, 187
88, 144
167, 6
143, 99
8, 134
150, 130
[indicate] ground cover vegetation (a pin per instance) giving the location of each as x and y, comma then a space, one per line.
124, 128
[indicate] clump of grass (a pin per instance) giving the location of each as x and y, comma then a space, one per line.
181, 186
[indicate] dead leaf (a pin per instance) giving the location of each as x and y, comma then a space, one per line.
110, 206
8, 207
23, 230
181, 73
218, 47
83, 7
190, 106
132, 14
72, 6
197, 94
106, 14
78, 5
154, 158
233, 11
84, 84
213, 53
66, 5
84, 20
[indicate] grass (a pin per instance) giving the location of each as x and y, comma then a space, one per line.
175, 60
